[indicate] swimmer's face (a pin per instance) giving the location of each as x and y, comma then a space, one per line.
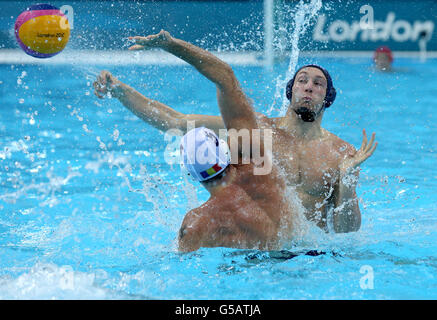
309, 89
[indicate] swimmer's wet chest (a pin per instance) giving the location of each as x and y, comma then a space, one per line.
310, 166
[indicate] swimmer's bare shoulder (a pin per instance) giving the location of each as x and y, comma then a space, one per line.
339, 145
191, 230
202, 225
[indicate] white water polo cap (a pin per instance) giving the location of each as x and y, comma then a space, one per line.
203, 154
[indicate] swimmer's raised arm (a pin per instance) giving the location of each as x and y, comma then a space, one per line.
151, 111
347, 215
235, 108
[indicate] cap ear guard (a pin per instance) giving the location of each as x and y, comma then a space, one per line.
330, 97
289, 88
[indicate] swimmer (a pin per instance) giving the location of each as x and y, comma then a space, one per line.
323, 168
383, 59
244, 210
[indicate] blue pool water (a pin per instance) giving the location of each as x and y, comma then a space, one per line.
89, 209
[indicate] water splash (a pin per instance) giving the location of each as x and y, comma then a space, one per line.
45, 192
302, 17
49, 281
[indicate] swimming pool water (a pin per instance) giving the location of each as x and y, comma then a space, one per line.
89, 209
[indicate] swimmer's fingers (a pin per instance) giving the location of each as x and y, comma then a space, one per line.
368, 152
97, 89
103, 83
142, 42
370, 144
136, 47
96, 92
103, 78
98, 95
364, 143
106, 78
151, 41
372, 150
139, 39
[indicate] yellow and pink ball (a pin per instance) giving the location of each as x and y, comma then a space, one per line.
42, 31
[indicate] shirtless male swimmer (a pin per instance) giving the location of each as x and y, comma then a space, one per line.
323, 168
245, 210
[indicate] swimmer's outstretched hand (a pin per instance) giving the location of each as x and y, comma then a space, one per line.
354, 160
106, 84
160, 40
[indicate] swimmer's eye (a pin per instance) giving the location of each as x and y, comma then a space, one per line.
320, 84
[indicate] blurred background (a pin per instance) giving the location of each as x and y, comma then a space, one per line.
267, 27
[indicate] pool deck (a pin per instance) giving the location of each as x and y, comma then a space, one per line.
125, 57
